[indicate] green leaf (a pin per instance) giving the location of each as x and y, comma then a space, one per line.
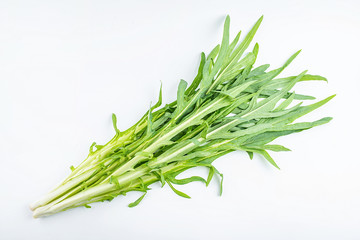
248, 60
191, 89
159, 102
266, 137
205, 130
286, 102
275, 148
233, 44
186, 180
309, 77
114, 180
282, 82
211, 175
99, 147
91, 150
221, 57
267, 77
267, 93
303, 125
158, 123
221, 179
114, 120
212, 55
180, 95
244, 44
160, 176
301, 111
268, 158
134, 204
236, 91
221, 183
251, 155
273, 114
206, 70
181, 194
149, 129
270, 102
259, 70
255, 50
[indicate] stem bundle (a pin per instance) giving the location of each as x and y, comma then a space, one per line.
229, 106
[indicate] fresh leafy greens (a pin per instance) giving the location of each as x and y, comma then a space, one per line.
229, 106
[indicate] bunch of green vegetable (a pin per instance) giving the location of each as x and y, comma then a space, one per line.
229, 106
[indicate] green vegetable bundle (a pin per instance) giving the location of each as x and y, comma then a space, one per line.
229, 106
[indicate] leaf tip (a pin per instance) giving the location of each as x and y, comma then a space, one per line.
226, 25
114, 120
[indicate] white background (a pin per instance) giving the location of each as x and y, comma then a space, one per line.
65, 66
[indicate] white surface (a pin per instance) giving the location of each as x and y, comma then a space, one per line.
65, 66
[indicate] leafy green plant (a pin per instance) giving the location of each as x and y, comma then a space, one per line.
229, 106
